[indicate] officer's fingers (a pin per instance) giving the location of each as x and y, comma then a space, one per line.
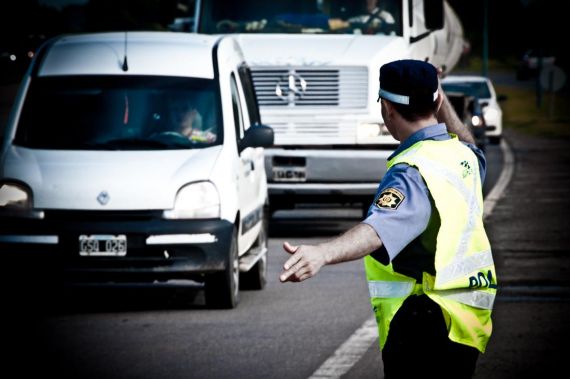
293, 260
293, 265
298, 274
288, 276
289, 248
305, 273
305, 277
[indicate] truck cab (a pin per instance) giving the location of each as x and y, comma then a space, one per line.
315, 66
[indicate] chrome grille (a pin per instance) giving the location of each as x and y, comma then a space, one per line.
345, 87
314, 132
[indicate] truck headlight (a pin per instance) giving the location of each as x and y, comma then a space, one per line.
370, 131
196, 200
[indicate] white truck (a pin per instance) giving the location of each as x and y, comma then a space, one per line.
315, 66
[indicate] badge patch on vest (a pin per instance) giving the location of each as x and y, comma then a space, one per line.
390, 198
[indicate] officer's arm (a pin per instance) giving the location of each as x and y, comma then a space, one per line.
307, 260
447, 115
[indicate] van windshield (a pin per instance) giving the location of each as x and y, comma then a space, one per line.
302, 16
120, 113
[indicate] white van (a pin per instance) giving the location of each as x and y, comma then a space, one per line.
139, 156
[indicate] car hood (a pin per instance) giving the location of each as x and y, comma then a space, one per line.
107, 180
318, 50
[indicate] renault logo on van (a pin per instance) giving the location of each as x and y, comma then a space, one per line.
103, 198
291, 87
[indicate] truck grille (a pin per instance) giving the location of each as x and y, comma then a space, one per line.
314, 133
345, 87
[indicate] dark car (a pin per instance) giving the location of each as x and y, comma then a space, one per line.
532, 61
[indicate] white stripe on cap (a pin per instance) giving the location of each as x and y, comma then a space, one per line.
395, 98
399, 99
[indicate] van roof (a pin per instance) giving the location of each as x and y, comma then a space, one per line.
148, 53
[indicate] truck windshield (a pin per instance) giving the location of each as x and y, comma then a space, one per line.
301, 16
120, 113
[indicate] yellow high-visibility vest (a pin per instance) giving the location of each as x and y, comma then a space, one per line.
465, 282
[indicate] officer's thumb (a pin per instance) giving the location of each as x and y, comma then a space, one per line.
288, 248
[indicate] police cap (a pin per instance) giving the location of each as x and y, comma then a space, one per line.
408, 82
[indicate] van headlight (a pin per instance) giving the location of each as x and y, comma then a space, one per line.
196, 200
16, 201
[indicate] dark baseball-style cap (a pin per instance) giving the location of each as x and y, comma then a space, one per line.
408, 82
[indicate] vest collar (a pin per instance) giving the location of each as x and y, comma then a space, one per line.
435, 132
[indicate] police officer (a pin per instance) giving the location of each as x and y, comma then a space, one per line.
428, 260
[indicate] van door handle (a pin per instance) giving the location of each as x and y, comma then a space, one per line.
248, 167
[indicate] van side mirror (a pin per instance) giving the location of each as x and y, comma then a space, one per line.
257, 136
433, 14
501, 98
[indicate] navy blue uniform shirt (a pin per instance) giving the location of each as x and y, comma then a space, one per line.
408, 218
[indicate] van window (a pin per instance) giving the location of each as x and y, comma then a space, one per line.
238, 117
249, 92
301, 16
120, 113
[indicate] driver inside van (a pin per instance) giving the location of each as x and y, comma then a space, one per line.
187, 120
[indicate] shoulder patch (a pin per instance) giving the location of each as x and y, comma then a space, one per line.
390, 198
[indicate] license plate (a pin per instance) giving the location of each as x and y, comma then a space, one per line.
289, 174
102, 245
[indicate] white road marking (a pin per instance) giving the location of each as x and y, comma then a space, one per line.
349, 352
359, 342
506, 174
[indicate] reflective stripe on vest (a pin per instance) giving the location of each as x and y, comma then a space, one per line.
464, 265
387, 289
477, 299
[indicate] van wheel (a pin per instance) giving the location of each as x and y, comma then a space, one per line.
222, 288
256, 277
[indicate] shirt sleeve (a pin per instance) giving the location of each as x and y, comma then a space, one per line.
401, 208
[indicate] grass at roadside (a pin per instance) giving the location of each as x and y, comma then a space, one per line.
520, 112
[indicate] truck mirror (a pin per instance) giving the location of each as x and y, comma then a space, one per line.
433, 13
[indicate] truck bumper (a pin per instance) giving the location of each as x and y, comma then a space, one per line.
324, 175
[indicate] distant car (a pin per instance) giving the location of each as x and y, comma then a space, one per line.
529, 63
97, 176
481, 88
16, 55
470, 112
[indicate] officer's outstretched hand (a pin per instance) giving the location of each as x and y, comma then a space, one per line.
305, 262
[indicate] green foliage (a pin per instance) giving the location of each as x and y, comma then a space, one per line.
521, 112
